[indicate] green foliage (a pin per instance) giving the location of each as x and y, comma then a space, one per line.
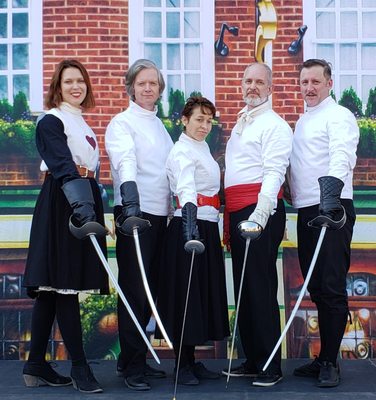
367, 140
351, 101
17, 128
371, 104
333, 95
176, 103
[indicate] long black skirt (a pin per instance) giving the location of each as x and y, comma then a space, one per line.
56, 258
207, 312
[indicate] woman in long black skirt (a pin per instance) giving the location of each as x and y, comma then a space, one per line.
195, 180
59, 266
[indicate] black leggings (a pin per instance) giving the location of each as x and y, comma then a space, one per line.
67, 311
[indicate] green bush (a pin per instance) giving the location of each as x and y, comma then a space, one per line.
350, 100
371, 104
367, 139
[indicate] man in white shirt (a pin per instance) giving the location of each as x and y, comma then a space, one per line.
322, 163
138, 144
257, 156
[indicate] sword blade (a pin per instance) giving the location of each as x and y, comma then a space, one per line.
183, 324
147, 288
248, 241
121, 295
301, 295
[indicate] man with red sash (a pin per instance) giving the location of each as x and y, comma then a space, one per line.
257, 155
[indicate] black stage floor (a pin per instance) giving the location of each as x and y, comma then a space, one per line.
358, 382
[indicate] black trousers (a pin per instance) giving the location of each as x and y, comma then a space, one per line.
327, 286
133, 348
259, 318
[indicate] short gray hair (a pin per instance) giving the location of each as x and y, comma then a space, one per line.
267, 68
135, 69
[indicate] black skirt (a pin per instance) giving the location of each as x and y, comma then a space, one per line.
56, 258
207, 312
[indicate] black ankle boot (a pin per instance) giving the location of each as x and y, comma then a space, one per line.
36, 373
84, 380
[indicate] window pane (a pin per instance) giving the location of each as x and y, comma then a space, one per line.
326, 52
347, 56
348, 3
153, 24
3, 87
325, 3
153, 51
3, 56
368, 82
349, 25
347, 81
19, 3
20, 56
3, 25
192, 56
325, 25
191, 25
172, 3
21, 84
3, 3
173, 56
20, 25
191, 3
368, 3
192, 84
173, 25
368, 56
173, 82
152, 3
369, 25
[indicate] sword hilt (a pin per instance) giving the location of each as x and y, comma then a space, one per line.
249, 230
194, 246
90, 228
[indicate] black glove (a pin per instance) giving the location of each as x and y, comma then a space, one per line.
189, 222
330, 193
130, 200
80, 197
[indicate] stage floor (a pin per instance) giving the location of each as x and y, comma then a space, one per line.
358, 382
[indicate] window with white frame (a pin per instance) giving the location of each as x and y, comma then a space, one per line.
344, 33
21, 51
178, 36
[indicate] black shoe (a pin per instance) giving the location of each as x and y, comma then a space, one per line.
310, 370
137, 382
151, 372
266, 379
329, 375
41, 373
201, 372
120, 368
241, 370
186, 376
84, 380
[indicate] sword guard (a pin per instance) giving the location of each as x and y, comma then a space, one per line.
249, 230
194, 246
323, 221
131, 223
90, 228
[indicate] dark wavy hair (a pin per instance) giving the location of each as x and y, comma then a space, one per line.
54, 98
206, 106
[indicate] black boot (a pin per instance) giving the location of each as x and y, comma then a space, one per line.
36, 373
84, 380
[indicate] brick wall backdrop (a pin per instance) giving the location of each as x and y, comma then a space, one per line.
95, 33
229, 70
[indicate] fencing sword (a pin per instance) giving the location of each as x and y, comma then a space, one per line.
249, 231
325, 223
90, 229
132, 226
194, 247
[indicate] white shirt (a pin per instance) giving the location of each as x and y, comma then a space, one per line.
81, 139
259, 154
138, 144
324, 144
192, 170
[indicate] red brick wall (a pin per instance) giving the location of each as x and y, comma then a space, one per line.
229, 70
95, 33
